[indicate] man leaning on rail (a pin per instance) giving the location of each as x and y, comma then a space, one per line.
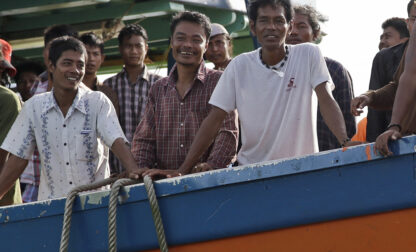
66, 125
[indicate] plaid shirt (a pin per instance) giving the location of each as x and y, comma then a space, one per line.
170, 124
40, 86
132, 98
343, 94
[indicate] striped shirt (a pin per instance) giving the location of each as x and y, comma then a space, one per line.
170, 123
132, 98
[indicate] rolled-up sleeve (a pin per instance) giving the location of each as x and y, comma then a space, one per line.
144, 140
20, 140
108, 126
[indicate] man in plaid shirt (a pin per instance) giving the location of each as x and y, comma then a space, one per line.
179, 103
305, 29
132, 84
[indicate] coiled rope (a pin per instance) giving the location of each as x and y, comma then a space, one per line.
66, 227
112, 211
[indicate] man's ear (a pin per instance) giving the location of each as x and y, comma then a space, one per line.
289, 30
206, 45
51, 67
252, 27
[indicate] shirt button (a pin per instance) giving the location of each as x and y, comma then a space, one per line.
64, 144
181, 103
181, 124
64, 125
70, 182
181, 145
67, 163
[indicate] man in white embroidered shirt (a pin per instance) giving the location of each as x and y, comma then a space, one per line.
68, 125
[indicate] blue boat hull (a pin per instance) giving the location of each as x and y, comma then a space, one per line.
225, 203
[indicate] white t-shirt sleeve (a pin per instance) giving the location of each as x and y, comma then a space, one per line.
20, 140
224, 96
319, 70
108, 126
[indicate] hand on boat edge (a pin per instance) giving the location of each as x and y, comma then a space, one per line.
202, 167
381, 144
134, 174
158, 173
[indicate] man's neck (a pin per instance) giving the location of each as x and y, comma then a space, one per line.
133, 72
222, 65
186, 76
273, 56
90, 80
64, 99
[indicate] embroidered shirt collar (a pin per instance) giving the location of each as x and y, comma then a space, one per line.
77, 103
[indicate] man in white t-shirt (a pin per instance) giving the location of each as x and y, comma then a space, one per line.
271, 88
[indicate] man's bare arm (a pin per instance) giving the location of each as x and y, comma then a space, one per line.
332, 114
404, 99
123, 153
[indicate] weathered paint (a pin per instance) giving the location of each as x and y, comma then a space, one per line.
368, 152
229, 202
42, 213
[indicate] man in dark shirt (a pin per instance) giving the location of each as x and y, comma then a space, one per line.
394, 32
385, 64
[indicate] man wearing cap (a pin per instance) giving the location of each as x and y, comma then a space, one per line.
219, 47
9, 108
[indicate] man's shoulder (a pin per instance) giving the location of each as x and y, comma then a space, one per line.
389, 52
5, 92
243, 59
113, 78
212, 73
246, 55
153, 77
332, 63
8, 97
158, 85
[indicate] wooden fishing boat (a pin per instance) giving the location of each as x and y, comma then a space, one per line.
341, 200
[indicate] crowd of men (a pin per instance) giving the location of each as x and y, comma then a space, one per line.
73, 129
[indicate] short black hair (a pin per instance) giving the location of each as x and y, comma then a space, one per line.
28, 66
56, 31
314, 17
91, 39
399, 24
130, 30
62, 44
256, 4
192, 17
409, 6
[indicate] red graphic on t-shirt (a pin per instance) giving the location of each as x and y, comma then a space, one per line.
291, 84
